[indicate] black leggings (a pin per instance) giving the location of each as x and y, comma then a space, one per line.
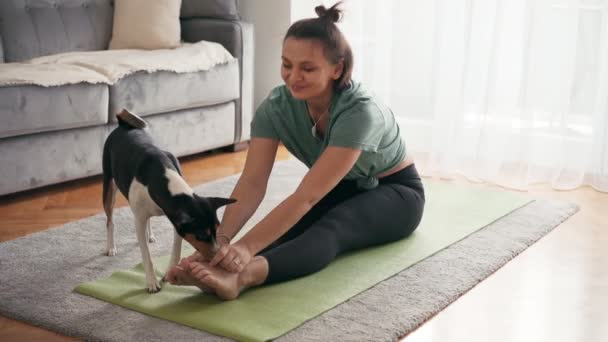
347, 219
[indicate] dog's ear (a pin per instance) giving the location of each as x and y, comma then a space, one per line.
218, 202
181, 221
181, 217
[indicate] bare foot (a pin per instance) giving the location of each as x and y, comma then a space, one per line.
180, 275
177, 271
196, 256
223, 283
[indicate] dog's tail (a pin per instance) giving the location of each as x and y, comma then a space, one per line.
129, 120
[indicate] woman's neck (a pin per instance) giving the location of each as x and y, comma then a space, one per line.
321, 103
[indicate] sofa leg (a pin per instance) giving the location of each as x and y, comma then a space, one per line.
241, 146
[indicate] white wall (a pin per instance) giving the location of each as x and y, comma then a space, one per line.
271, 19
301, 9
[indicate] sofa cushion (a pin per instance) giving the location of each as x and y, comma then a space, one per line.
33, 28
31, 161
35, 160
194, 130
145, 24
30, 109
48, 74
109, 66
163, 91
220, 9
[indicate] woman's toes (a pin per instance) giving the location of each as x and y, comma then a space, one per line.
196, 256
170, 276
183, 279
184, 263
200, 274
198, 270
174, 274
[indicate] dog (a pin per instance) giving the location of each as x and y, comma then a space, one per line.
151, 180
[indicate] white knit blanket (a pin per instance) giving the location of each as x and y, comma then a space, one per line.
109, 66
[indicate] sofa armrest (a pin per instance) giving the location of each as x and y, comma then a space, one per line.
220, 9
247, 79
237, 38
1, 51
226, 32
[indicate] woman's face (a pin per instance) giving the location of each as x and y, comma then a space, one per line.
305, 69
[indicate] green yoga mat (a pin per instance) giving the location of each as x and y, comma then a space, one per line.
451, 214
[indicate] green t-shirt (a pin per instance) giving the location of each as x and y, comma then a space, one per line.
356, 120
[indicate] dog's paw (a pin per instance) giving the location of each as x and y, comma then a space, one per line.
112, 252
154, 288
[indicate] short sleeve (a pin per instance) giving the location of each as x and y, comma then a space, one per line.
361, 127
261, 125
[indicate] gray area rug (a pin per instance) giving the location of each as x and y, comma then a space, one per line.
39, 271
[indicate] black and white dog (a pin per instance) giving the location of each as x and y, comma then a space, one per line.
151, 180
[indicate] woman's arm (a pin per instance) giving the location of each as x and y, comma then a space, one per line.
326, 173
251, 186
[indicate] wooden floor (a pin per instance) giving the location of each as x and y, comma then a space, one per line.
557, 290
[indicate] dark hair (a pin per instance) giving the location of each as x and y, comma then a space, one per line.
325, 31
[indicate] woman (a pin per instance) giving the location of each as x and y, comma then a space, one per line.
361, 190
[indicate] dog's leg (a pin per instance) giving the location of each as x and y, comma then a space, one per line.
109, 198
141, 225
177, 240
175, 253
149, 234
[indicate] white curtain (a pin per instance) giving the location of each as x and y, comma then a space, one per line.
512, 92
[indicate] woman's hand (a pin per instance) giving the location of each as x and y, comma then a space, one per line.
233, 258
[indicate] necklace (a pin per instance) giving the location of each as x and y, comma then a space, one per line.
313, 130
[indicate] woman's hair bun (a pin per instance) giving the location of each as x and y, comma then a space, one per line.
332, 14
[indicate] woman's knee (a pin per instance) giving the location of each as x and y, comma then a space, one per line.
405, 230
404, 216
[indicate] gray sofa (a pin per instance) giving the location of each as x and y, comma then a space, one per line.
55, 134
